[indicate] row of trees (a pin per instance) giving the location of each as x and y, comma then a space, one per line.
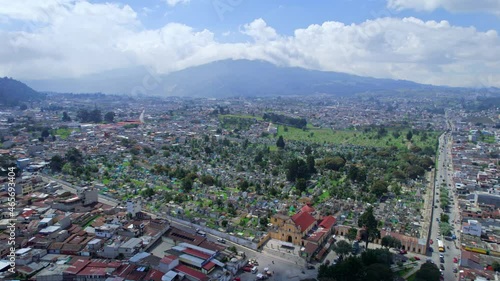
372, 265
300, 123
92, 116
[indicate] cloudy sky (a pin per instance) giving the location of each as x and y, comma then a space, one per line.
441, 42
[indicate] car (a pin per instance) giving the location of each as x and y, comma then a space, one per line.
220, 240
429, 261
247, 268
416, 258
441, 260
441, 266
455, 270
431, 242
441, 256
310, 266
455, 260
402, 252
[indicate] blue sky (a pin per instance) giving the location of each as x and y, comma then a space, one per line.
286, 16
441, 42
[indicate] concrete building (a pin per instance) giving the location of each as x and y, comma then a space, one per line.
472, 227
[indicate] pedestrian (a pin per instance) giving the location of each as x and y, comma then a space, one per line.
273, 262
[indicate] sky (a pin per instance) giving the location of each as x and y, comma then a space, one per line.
439, 42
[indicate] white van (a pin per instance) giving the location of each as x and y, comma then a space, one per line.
254, 270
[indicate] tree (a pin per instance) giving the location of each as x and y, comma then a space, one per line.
332, 163
109, 117
56, 163
352, 234
187, 184
243, 185
445, 217
65, 117
74, 156
409, 135
369, 223
310, 164
378, 272
296, 168
308, 150
379, 188
45, 133
342, 248
280, 143
301, 185
208, 180
496, 266
67, 168
428, 272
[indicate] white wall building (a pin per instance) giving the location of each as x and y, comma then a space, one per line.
472, 227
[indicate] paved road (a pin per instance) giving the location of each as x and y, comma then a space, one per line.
285, 267
443, 176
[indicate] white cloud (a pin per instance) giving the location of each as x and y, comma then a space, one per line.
487, 6
82, 38
259, 30
173, 3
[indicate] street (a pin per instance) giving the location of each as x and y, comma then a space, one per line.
444, 178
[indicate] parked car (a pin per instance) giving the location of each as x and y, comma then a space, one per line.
431, 242
247, 268
416, 258
310, 266
441, 266
402, 252
220, 240
455, 260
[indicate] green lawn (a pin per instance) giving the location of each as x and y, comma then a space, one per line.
258, 118
63, 132
352, 137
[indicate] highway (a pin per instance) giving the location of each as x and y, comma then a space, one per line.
444, 179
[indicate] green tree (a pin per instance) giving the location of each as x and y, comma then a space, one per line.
65, 117
45, 133
378, 272
496, 266
311, 169
280, 143
301, 185
332, 163
56, 163
379, 188
445, 217
427, 272
67, 168
187, 184
74, 156
342, 248
409, 135
369, 224
243, 185
352, 234
109, 117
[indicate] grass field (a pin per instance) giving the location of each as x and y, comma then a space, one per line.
63, 132
258, 118
347, 137
352, 137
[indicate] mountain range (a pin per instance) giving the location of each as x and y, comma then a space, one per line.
13, 92
230, 78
